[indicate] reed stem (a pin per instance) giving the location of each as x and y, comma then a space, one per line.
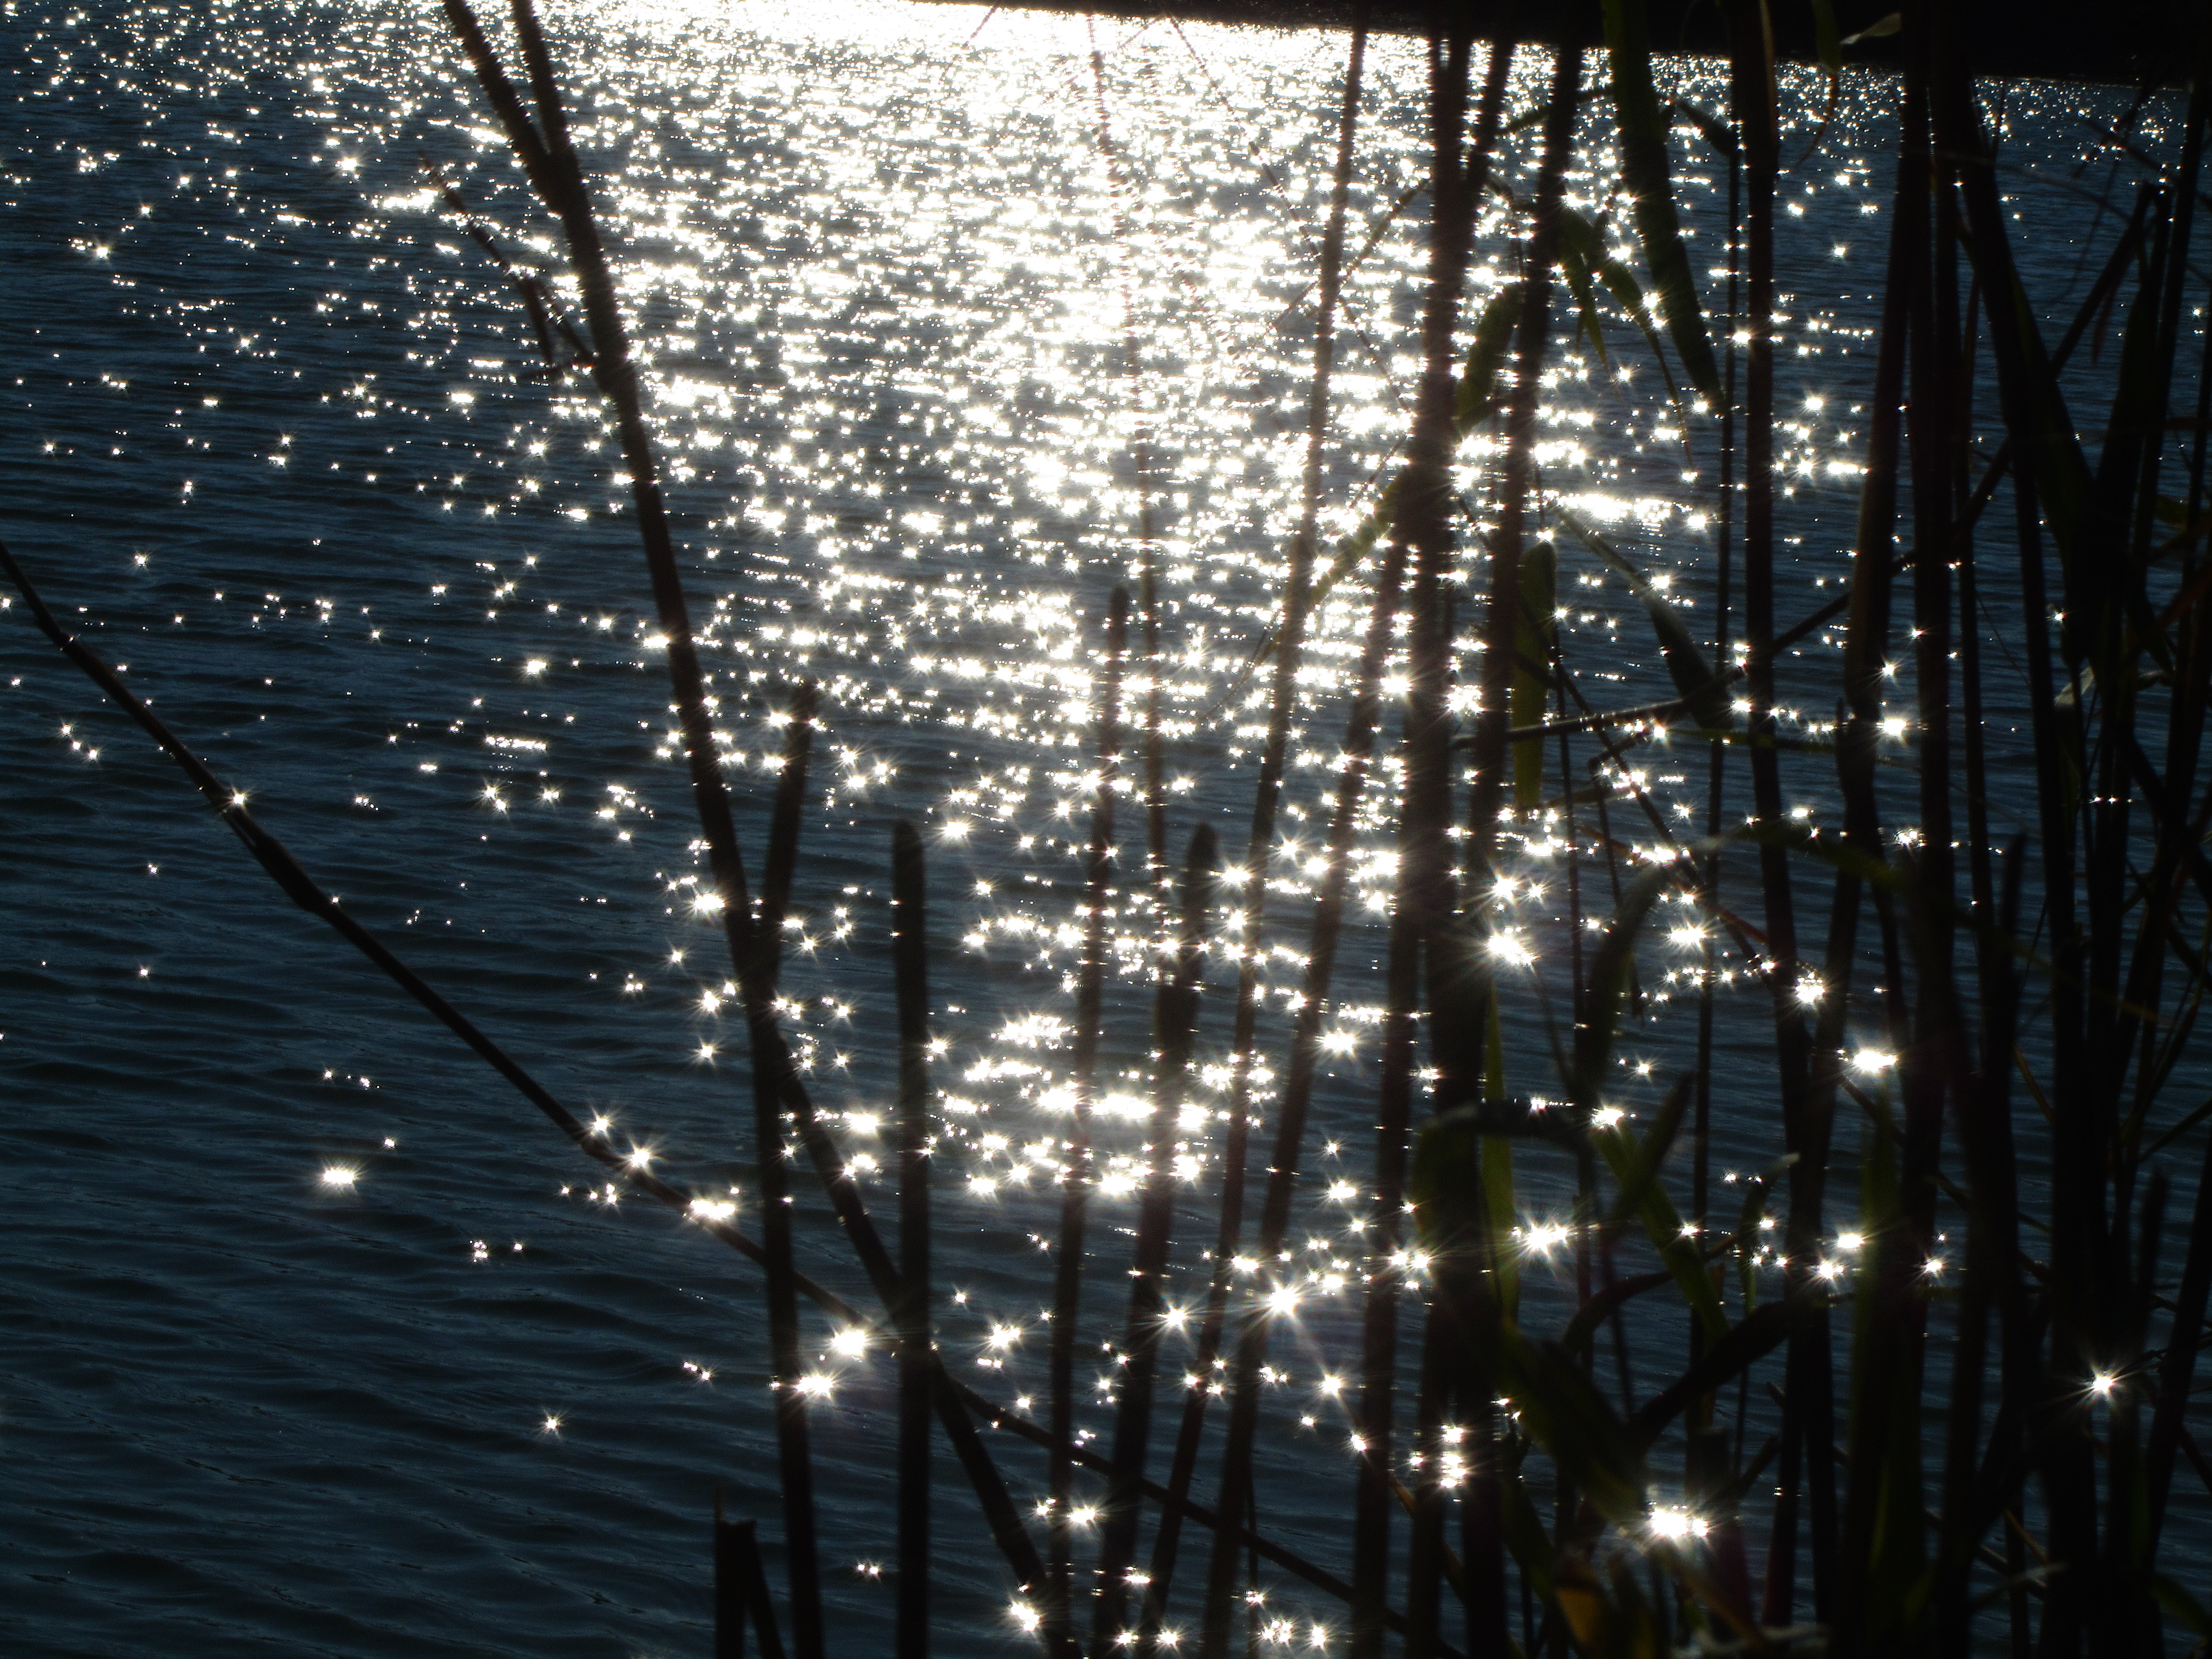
1176, 1028
1075, 1183
910, 967
1288, 647
1243, 1382
794, 1463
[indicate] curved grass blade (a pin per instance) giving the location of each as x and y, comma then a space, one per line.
1534, 631
1582, 242
1477, 394
1704, 693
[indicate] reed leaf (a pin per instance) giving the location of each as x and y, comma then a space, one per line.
1584, 258
1534, 638
1645, 168
1703, 692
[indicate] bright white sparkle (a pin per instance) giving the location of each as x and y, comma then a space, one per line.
1676, 1524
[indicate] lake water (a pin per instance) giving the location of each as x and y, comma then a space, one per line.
273, 438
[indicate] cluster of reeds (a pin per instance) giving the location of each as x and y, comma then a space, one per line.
1964, 1455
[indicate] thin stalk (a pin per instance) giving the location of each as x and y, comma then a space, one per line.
1290, 1131
1751, 95
1464, 1311
592, 1140
1257, 1545
2023, 1373
2185, 728
1075, 1184
1717, 760
293, 879
1883, 1546
956, 1401
1990, 1282
2057, 1425
1260, 843
1374, 1497
741, 1590
1752, 90
1456, 987
2177, 1368
729, 1585
910, 967
795, 1467
1148, 592
1489, 750
1175, 1025
2175, 276
549, 159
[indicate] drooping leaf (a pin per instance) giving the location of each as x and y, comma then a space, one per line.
1639, 1174
1526, 1537
2185, 1609
2046, 428
1728, 1353
1644, 166
1575, 267
1474, 401
1563, 1409
1635, 1167
1748, 1229
1610, 966
1535, 630
1715, 131
1493, 339
1592, 1316
1686, 660
1879, 29
1587, 243
1588, 265
1461, 1187
1608, 1617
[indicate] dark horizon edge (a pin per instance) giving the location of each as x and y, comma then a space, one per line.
2134, 41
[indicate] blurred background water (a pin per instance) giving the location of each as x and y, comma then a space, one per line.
319, 1341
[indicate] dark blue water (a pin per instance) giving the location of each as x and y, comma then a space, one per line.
318, 1340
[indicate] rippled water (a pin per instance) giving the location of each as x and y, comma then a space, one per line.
277, 438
